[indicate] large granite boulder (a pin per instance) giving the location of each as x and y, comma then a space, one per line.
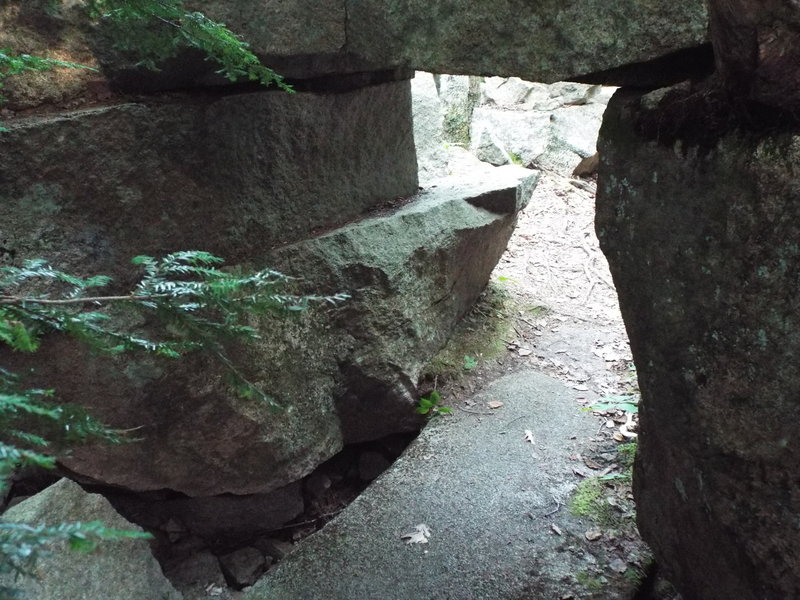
413, 274
341, 376
311, 40
538, 41
702, 239
757, 49
123, 570
232, 174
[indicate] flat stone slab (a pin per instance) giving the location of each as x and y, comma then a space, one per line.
490, 500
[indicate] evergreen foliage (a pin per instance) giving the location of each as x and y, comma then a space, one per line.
186, 293
157, 29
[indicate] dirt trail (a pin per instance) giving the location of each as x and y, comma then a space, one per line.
557, 304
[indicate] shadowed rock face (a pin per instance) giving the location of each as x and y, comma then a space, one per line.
124, 569
757, 48
703, 247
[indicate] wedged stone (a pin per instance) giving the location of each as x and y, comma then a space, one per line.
702, 241
412, 275
345, 375
243, 567
198, 575
124, 570
543, 41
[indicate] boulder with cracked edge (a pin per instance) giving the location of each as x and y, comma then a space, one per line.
702, 242
124, 570
412, 275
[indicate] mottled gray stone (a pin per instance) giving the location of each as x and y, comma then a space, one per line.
123, 570
542, 41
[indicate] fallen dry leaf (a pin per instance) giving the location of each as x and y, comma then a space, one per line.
618, 437
420, 535
524, 352
494, 404
529, 436
556, 529
593, 535
592, 464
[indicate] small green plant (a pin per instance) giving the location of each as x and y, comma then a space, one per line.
589, 501
154, 30
627, 453
515, 158
197, 306
431, 405
635, 576
470, 362
591, 582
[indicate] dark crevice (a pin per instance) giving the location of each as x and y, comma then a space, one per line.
320, 496
700, 115
691, 63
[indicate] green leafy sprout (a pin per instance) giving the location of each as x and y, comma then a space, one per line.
431, 405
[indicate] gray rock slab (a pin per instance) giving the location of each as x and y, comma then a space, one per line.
538, 41
123, 570
488, 497
344, 375
233, 175
428, 126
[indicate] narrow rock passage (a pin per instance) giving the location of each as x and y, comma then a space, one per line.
495, 505
489, 489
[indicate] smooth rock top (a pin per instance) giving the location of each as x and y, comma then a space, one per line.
486, 497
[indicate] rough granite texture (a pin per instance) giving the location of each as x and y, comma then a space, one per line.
704, 247
234, 175
539, 41
543, 41
757, 49
122, 570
